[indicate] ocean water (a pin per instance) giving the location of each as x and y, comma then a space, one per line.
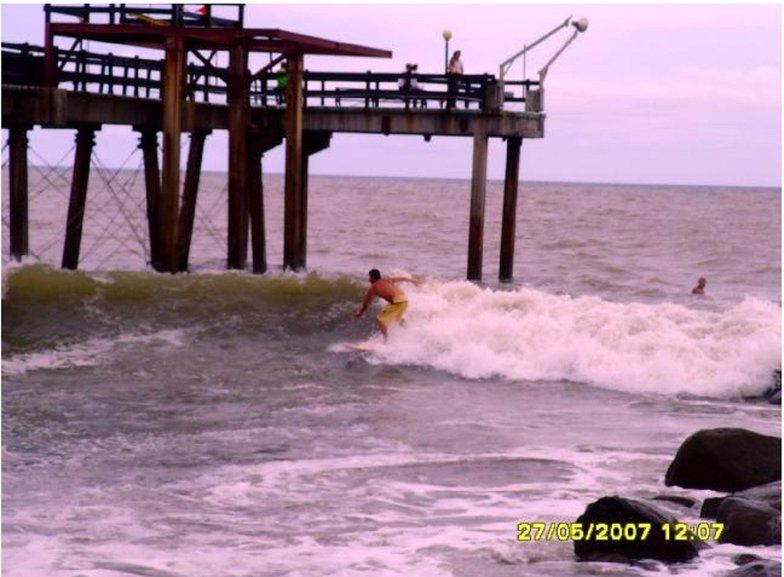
214, 423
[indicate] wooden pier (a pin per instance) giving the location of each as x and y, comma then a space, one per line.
187, 93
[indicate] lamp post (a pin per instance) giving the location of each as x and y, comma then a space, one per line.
580, 25
447, 34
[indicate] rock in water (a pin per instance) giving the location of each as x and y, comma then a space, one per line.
726, 459
623, 513
769, 495
749, 523
757, 569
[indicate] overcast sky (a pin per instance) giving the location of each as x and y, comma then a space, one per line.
664, 93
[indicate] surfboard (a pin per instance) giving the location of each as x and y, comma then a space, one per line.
366, 346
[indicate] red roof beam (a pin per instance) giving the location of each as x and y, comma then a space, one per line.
257, 40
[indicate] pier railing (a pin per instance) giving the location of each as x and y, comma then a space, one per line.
178, 15
134, 76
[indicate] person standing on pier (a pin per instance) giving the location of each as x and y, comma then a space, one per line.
386, 289
281, 83
455, 64
405, 81
408, 83
454, 71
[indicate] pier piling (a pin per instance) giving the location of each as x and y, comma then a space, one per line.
476, 225
256, 204
237, 87
148, 142
189, 194
18, 224
168, 202
509, 217
295, 201
85, 140
258, 144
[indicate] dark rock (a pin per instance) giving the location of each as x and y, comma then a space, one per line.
648, 565
726, 459
757, 569
769, 494
746, 558
710, 507
622, 512
749, 523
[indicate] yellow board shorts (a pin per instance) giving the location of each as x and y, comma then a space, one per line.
392, 312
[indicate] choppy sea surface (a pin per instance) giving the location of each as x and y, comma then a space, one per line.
214, 423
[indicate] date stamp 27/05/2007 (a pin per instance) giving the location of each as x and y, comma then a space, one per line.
562, 531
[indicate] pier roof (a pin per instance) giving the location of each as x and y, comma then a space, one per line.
255, 39
205, 27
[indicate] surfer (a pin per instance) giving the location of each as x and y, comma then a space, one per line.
700, 288
386, 289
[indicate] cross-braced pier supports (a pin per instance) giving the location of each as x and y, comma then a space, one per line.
171, 227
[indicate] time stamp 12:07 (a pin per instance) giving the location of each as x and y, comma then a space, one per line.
562, 531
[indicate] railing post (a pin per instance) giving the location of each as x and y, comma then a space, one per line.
136, 76
126, 73
367, 90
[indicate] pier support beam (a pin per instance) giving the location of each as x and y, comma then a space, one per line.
85, 141
152, 181
18, 226
258, 144
258, 235
189, 194
239, 107
312, 142
477, 218
168, 202
294, 195
509, 218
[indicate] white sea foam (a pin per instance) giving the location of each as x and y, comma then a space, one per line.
637, 347
90, 353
